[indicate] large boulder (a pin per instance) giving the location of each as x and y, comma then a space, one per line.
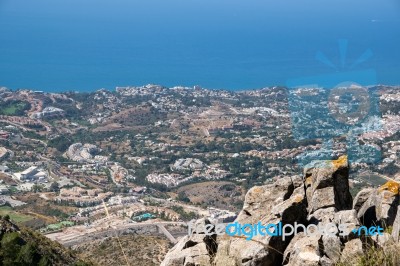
361, 198
188, 252
303, 251
282, 202
195, 249
352, 251
324, 216
327, 184
332, 247
348, 221
316, 248
260, 200
381, 206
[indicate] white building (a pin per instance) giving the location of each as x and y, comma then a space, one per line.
3, 189
31, 174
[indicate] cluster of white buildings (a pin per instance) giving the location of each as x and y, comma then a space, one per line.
170, 180
3, 189
173, 180
120, 200
79, 152
148, 89
48, 112
32, 174
221, 216
82, 197
188, 164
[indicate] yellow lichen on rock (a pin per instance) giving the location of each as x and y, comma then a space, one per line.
298, 198
391, 186
308, 181
340, 162
257, 190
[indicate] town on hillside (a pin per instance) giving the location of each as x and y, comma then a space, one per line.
80, 167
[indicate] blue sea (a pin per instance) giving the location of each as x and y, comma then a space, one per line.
84, 45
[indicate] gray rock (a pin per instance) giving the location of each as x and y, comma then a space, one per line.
260, 200
187, 251
332, 247
296, 198
322, 198
223, 255
196, 249
327, 185
352, 251
361, 198
325, 261
347, 216
348, 221
324, 216
289, 251
379, 208
242, 252
396, 226
383, 240
303, 251
288, 207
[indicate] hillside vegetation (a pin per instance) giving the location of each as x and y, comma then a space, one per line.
21, 246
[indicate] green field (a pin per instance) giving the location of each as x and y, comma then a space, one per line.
15, 216
58, 226
13, 108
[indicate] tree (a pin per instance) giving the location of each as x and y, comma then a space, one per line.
44, 261
61, 143
37, 188
28, 255
54, 187
182, 197
10, 246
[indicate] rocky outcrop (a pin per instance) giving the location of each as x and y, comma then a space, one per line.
327, 185
352, 250
361, 198
282, 202
193, 250
320, 198
381, 206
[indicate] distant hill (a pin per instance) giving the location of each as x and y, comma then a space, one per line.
21, 246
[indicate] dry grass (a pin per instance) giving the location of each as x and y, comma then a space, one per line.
389, 256
220, 194
139, 250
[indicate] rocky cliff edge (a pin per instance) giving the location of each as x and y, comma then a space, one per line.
320, 197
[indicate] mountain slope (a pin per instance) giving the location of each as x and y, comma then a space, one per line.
21, 246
